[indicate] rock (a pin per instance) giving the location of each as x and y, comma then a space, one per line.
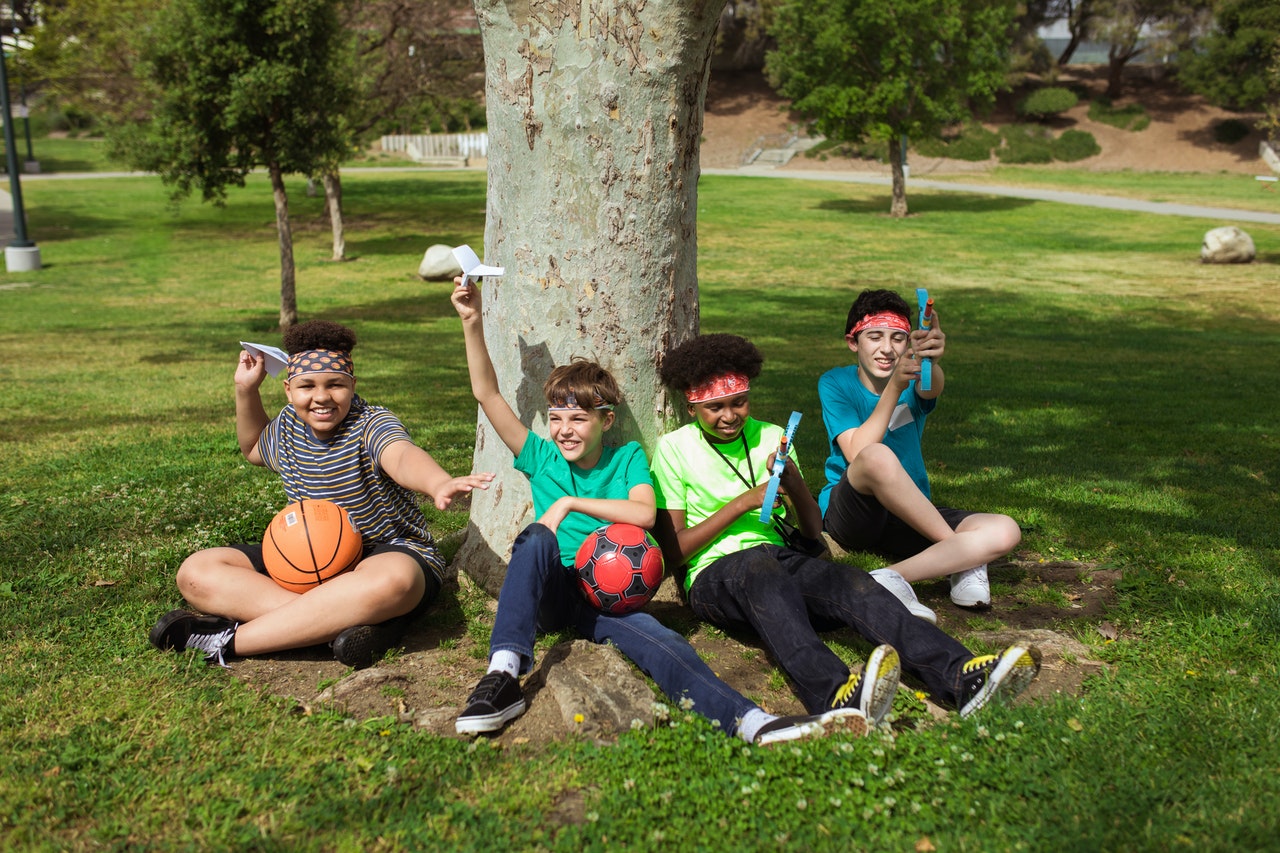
1227, 245
438, 264
1269, 156
593, 689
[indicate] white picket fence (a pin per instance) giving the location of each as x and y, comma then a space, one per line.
438, 147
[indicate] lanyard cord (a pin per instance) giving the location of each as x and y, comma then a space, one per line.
751, 484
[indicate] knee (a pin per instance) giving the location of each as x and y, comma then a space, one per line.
874, 464
193, 576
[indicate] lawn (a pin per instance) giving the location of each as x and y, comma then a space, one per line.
1098, 377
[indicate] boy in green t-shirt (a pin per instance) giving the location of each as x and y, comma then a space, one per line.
710, 477
578, 484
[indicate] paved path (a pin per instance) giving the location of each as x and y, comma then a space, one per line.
1109, 202
1084, 199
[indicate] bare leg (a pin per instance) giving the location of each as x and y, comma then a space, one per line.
222, 581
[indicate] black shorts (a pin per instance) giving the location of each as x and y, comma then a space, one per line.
430, 590
859, 522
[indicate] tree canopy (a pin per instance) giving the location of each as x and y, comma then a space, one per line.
884, 69
1237, 65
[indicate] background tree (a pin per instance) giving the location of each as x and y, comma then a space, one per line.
238, 86
889, 69
594, 116
1154, 29
1237, 64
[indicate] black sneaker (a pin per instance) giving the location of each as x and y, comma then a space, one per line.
182, 629
360, 645
496, 701
871, 692
1002, 676
809, 725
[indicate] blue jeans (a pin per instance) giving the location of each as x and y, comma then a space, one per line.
787, 597
539, 594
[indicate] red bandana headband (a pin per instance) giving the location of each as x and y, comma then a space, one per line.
718, 387
320, 361
883, 320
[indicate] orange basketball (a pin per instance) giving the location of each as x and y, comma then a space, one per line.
309, 542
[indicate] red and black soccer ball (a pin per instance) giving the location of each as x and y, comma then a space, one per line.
619, 568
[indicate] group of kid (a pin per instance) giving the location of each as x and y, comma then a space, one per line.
702, 496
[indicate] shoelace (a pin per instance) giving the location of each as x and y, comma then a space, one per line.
976, 663
213, 645
849, 688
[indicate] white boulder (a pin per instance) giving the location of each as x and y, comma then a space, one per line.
1227, 245
439, 264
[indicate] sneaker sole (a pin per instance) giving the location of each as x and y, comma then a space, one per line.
883, 670
848, 720
162, 627
919, 611
489, 722
1017, 668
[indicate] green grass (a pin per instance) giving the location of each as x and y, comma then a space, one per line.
1222, 189
1103, 387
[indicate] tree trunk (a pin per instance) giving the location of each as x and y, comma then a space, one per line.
333, 203
898, 207
594, 117
288, 286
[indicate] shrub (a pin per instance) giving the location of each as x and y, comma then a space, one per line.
972, 142
1025, 144
1047, 102
1074, 145
1132, 117
1230, 131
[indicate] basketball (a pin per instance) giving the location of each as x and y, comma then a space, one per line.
619, 568
309, 542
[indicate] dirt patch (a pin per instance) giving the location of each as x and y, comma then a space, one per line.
741, 110
1054, 604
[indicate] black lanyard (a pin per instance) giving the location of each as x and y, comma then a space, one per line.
751, 484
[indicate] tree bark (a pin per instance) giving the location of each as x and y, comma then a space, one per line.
333, 203
898, 206
288, 279
595, 116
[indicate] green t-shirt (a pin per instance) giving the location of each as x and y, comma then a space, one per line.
551, 477
689, 475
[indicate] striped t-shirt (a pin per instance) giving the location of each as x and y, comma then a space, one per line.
344, 469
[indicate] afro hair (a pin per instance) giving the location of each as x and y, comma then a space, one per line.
318, 334
706, 357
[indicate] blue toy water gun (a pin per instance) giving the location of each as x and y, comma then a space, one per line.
779, 465
926, 323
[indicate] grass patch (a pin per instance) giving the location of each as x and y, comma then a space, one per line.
1074, 404
1129, 117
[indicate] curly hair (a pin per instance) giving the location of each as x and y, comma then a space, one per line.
584, 381
318, 334
707, 356
876, 302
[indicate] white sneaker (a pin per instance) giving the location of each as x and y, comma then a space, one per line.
897, 584
970, 588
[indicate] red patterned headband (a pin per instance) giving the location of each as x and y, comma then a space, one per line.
883, 320
718, 387
320, 361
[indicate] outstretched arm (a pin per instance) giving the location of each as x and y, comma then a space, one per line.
251, 417
484, 380
414, 468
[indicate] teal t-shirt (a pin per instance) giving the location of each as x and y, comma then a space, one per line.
551, 477
689, 475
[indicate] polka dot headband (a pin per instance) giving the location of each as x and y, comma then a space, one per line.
320, 361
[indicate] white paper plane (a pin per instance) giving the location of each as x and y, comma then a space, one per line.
471, 266
277, 359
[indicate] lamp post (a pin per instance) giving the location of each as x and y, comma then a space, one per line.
21, 254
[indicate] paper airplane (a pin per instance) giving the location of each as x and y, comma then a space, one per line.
276, 358
471, 266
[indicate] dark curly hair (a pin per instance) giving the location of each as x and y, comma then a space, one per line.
318, 334
706, 357
876, 302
